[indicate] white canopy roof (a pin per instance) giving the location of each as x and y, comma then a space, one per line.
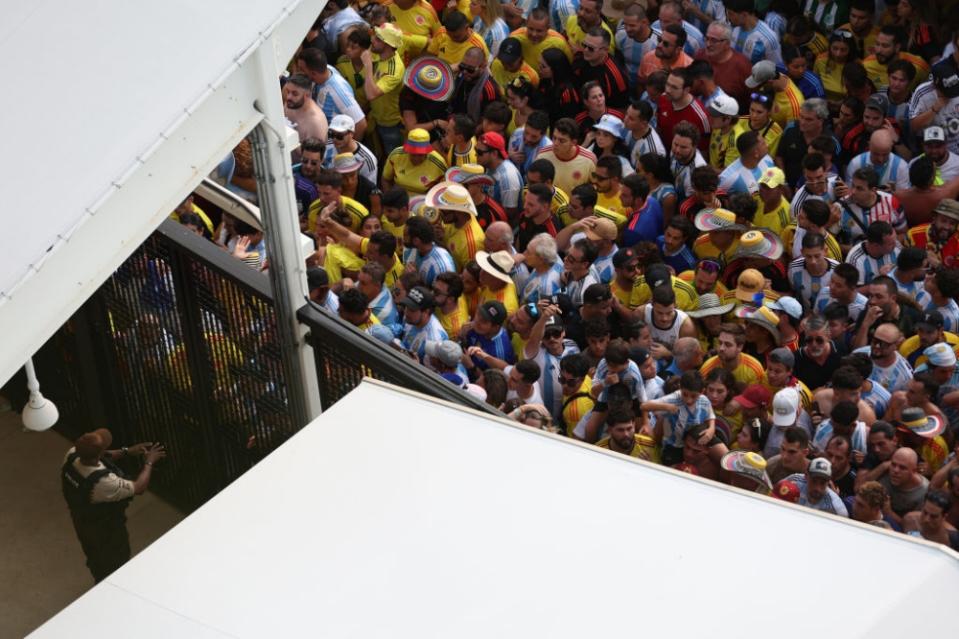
393, 515
114, 112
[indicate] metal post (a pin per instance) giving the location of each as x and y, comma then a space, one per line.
277, 202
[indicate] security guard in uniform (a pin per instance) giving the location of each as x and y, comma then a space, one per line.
98, 493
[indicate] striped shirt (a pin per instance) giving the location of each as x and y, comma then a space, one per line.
695, 42
924, 99
415, 337
437, 261
809, 84
802, 195
830, 503
335, 96
894, 377
737, 178
385, 310
549, 386
681, 260
867, 265
649, 143
759, 43
878, 398
805, 285
855, 308
683, 174
492, 35
465, 241
949, 312
575, 288
675, 425
895, 171
537, 286
712, 8
633, 52
824, 14
508, 184
825, 430
748, 371
560, 12
604, 266
516, 145
631, 377
885, 209
913, 289
370, 163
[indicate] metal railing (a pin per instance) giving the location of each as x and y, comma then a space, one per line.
179, 346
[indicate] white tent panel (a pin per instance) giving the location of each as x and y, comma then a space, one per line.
116, 111
393, 515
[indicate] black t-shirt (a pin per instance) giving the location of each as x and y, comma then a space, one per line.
812, 373
846, 484
528, 229
908, 316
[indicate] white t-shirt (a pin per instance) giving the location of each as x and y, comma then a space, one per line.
109, 488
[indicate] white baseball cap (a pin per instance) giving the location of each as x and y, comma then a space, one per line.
342, 123
934, 134
786, 407
723, 104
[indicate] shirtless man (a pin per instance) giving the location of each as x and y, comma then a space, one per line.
846, 387
299, 108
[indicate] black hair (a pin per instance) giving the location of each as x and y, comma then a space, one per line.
529, 370
691, 381
544, 167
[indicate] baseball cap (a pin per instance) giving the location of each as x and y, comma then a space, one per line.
783, 356
724, 105
945, 75
940, 354
622, 257
317, 277
494, 140
754, 396
788, 305
657, 275
603, 229
639, 355
763, 72
773, 177
510, 50
446, 351
419, 298
948, 207
785, 407
342, 123
750, 283
934, 134
596, 293
820, 467
493, 311
932, 320
879, 102
786, 490
553, 321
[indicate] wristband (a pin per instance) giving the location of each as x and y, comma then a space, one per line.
125, 451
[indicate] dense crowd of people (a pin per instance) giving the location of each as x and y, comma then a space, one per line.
719, 236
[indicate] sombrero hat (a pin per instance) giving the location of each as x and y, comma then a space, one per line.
499, 264
469, 174
450, 196
717, 220
747, 464
430, 78
759, 243
916, 421
710, 304
763, 316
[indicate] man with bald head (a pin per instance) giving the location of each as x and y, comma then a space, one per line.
906, 487
889, 368
499, 237
98, 493
893, 171
687, 356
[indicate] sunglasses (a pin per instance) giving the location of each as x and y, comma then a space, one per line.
590, 47
816, 340
599, 178
466, 68
480, 151
338, 136
759, 97
880, 343
553, 334
710, 266
570, 381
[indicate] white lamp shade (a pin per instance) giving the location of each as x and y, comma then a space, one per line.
40, 413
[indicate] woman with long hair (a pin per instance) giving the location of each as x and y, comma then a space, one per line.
829, 65
913, 17
655, 168
557, 93
489, 24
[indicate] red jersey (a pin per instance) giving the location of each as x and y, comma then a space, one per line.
667, 118
947, 251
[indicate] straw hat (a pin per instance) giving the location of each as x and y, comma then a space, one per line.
429, 78
499, 264
750, 283
717, 220
418, 142
916, 420
747, 464
390, 34
762, 316
469, 174
709, 304
346, 163
759, 243
450, 196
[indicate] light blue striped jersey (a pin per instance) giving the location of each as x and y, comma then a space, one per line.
517, 145
675, 425
541, 285
760, 43
912, 289
894, 171
894, 377
508, 185
604, 266
385, 310
877, 397
633, 52
949, 312
805, 285
712, 8
415, 338
737, 178
649, 143
825, 430
631, 377
559, 13
858, 304
867, 265
336, 96
830, 503
549, 387
492, 35
683, 174
437, 261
